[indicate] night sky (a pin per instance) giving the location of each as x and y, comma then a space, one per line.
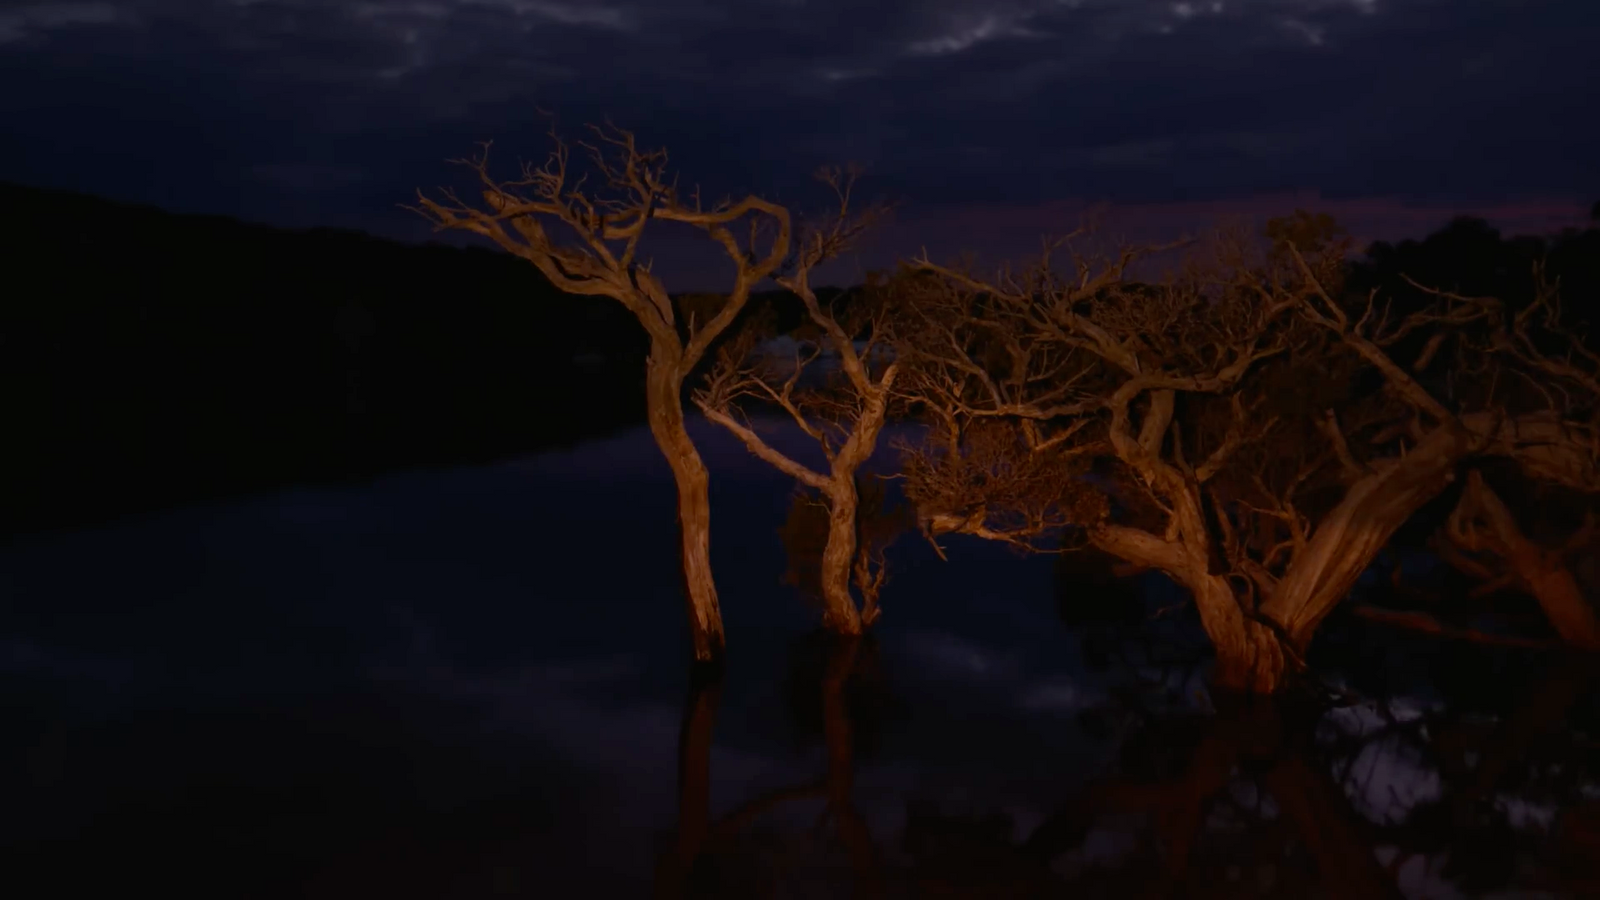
990, 121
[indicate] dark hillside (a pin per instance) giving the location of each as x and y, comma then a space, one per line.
149, 359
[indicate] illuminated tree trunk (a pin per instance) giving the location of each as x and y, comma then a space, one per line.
1251, 653
1349, 538
839, 613
1249, 638
844, 501
1250, 657
664, 383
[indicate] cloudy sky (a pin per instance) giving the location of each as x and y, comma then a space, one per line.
989, 114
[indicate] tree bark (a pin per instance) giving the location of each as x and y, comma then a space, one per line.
663, 389
839, 613
844, 500
1349, 538
1545, 572
1250, 657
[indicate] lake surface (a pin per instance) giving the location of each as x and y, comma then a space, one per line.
473, 684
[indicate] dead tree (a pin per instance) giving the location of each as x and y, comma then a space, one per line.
585, 239
1081, 365
845, 415
1482, 382
1243, 457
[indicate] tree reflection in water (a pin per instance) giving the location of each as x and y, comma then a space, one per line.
1326, 795
715, 857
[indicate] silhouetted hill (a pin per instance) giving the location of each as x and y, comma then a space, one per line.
148, 359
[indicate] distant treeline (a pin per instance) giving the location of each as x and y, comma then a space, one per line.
149, 359
1468, 256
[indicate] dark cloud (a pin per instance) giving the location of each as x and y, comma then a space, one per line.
330, 111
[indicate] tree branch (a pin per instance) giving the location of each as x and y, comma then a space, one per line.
754, 443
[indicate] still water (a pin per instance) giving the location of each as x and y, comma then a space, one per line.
473, 684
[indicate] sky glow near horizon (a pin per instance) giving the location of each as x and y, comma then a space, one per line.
332, 112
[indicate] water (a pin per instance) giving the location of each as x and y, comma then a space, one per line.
473, 684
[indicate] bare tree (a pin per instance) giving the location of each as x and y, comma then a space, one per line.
1087, 366
1240, 453
596, 253
844, 416
1481, 382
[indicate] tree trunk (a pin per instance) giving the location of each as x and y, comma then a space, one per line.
1250, 657
839, 613
1545, 572
1558, 593
1350, 537
844, 499
663, 390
